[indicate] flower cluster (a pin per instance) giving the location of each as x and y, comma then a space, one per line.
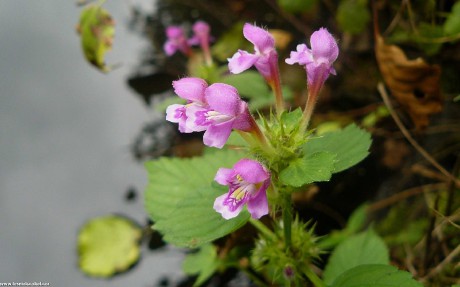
218, 109
177, 40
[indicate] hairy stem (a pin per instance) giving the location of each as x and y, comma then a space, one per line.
287, 219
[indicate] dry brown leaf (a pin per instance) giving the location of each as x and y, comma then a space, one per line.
413, 83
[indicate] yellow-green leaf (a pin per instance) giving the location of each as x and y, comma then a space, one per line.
108, 245
96, 29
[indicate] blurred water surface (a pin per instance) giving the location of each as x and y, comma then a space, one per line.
65, 131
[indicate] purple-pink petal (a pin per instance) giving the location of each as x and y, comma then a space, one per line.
227, 212
223, 98
217, 135
263, 41
201, 28
174, 32
324, 47
243, 120
301, 56
196, 118
191, 89
170, 48
224, 176
258, 205
241, 61
251, 171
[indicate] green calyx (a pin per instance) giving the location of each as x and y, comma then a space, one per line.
270, 254
284, 137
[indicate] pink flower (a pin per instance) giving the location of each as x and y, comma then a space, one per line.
191, 89
202, 37
248, 181
201, 34
176, 40
216, 109
264, 58
318, 60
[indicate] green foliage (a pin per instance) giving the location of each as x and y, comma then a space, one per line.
180, 196
193, 221
353, 16
297, 6
452, 23
327, 127
375, 275
236, 140
304, 250
96, 28
252, 86
401, 226
374, 117
204, 263
349, 146
355, 223
363, 248
107, 245
230, 42
426, 37
325, 155
312, 168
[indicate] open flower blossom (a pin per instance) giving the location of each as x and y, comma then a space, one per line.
248, 181
176, 41
318, 60
216, 109
264, 57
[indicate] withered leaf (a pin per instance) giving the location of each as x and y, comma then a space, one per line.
413, 83
96, 29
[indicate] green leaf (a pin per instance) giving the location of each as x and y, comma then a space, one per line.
363, 248
292, 118
355, 223
297, 6
180, 197
235, 139
251, 85
230, 42
357, 219
429, 31
353, 16
107, 245
350, 146
375, 275
172, 179
452, 23
97, 29
204, 263
194, 222
308, 169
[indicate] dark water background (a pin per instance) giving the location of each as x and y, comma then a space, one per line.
65, 133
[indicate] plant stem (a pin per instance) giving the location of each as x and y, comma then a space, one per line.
313, 277
308, 111
263, 229
287, 219
275, 83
